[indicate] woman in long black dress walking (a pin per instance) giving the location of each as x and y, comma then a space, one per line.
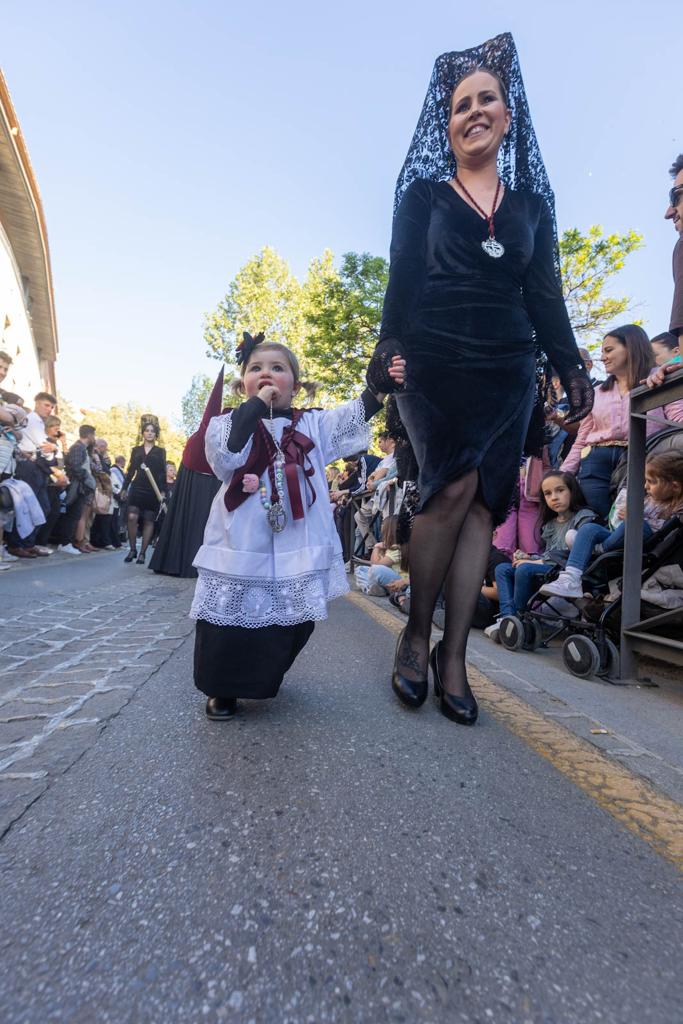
473, 281
142, 499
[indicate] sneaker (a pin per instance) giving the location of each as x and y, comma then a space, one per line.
68, 549
566, 585
42, 550
6, 557
493, 632
376, 590
4, 566
109, 547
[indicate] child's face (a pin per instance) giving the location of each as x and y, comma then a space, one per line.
662, 353
271, 367
661, 490
557, 495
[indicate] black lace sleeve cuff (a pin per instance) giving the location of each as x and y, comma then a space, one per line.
243, 422
370, 404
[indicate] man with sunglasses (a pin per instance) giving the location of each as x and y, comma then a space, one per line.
675, 214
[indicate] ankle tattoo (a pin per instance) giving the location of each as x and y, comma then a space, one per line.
409, 656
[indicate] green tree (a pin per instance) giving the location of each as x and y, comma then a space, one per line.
588, 262
120, 426
343, 314
263, 296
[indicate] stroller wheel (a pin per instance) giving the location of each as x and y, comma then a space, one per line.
581, 656
511, 633
533, 634
612, 661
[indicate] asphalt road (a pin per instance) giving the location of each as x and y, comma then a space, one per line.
325, 857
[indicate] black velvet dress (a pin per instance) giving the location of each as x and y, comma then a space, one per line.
466, 322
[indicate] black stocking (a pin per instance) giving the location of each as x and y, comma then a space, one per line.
133, 530
147, 534
432, 545
462, 588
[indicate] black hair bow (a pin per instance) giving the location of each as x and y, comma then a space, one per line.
247, 346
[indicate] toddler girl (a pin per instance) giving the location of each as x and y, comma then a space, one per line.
271, 557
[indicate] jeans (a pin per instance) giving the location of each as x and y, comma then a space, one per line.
591, 534
380, 575
594, 475
516, 585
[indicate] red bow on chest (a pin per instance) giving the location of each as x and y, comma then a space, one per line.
295, 448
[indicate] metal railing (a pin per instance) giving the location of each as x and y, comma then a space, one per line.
637, 635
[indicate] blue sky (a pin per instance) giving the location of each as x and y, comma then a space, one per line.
171, 141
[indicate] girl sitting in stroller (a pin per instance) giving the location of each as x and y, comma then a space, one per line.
664, 488
562, 508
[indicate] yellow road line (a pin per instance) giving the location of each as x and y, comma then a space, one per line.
654, 817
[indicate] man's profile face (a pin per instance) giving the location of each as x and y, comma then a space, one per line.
674, 210
4, 369
44, 408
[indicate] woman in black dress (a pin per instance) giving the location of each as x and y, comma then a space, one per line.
473, 278
142, 500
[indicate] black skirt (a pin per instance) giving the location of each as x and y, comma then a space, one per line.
182, 531
232, 661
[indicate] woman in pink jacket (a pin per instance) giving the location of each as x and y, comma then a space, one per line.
603, 434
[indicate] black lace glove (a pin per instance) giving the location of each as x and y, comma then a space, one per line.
580, 393
377, 373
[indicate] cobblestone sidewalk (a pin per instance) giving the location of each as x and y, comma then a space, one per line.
67, 668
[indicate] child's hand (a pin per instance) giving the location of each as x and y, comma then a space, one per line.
397, 370
268, 393
250, 483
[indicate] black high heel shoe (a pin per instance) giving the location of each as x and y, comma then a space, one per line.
140, 560
462, 710
130, 556
411, 692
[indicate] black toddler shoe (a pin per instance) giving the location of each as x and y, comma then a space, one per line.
462, 710
220, 709
410, 692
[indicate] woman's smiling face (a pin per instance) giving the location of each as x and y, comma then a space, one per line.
479, 118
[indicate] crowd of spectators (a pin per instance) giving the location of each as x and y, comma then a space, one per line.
53, 496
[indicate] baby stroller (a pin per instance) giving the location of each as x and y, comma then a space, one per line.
590, 626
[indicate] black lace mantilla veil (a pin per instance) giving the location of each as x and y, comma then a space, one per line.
520, 163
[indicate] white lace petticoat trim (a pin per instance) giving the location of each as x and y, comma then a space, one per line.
239, 601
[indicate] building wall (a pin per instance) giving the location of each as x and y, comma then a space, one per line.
16, 337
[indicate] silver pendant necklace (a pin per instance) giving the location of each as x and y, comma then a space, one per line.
275, 510
491, 246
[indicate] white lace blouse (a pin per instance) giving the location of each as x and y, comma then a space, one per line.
250, 576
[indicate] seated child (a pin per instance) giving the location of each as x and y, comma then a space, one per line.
562, 508
387, 563
664, 487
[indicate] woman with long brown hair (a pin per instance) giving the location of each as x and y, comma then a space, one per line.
627, 357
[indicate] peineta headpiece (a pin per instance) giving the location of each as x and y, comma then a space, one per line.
247, 346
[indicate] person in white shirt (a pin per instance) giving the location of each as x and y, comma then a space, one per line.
35, 471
